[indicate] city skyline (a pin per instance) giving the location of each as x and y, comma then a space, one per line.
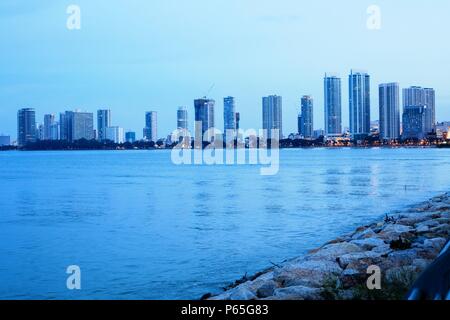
145, 62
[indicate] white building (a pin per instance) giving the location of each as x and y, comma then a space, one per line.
115, 134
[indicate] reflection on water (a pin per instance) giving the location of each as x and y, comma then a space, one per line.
140, 227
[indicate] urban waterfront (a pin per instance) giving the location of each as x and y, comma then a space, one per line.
141, 227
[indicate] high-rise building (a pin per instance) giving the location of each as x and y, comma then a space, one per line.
114, 134
238, 121
389, 100
103, 122
204, 117
414, 122
79, 125
5, 140
182, 118
419, 112
299, 123
26, 126
359, 103
63, 134
151, 126
229, 117
430, 111
130, 136
272, 110
307, 117
49, 121
333, 105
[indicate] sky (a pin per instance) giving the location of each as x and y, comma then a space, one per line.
139, 55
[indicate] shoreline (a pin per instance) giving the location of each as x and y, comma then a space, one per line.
403, 245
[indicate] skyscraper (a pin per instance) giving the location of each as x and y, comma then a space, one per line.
151, 126
414, 122
26, 126
430, 111
204, 117
229, 117
103, 122
130, 136
182, 118
49, 121
272, 110
307, 117
63, 134
79, 125
359, 103
333, 105
389, 100
417, 119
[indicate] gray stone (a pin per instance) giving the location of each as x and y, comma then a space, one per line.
394, 231
359, 261
298, 293
369, 243
242, 293
267, 289
333, 251
368, 233
311, 273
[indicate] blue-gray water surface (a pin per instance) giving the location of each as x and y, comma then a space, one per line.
141, 227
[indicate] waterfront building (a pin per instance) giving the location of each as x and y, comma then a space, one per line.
414, 122
319, 133
79, 125
229, 117
389, 103
103, 122
115, 134
359, 103
151, 126
26, 126
333, 105
204, 117
442, 129
130, 137
272, 110
5, 141
63, 135
182, 118
307, 117
430, 111
49, 121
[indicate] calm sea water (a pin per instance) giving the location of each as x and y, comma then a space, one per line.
140, 227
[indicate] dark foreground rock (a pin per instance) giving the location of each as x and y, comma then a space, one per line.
402, 246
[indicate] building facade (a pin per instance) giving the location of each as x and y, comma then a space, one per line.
272, 110
182, 119
307, 117
359, 104
26, 126
229, 117
103, 122
389, 103
5, 141
333, 105
204, 117
414, 122
151, 126
49, 122
430, 111
115, 134
79, 125
130, 137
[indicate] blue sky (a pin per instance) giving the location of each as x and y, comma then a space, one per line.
138, 55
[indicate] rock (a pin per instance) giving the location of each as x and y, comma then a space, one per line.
440, 206
369, 243
242, 293
368, 233
311, 273
359, 261
298, 293
333, 251
351, 278
436, 244
267, 289
423, 229
394, 231
427, 223
398, 259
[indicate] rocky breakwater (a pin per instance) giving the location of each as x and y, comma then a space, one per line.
402, 246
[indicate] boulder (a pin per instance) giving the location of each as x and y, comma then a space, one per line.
242, 292
369, 243
394, 231
267, 289
365, 234
312, 273
333, 251
360, 261
298, 293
